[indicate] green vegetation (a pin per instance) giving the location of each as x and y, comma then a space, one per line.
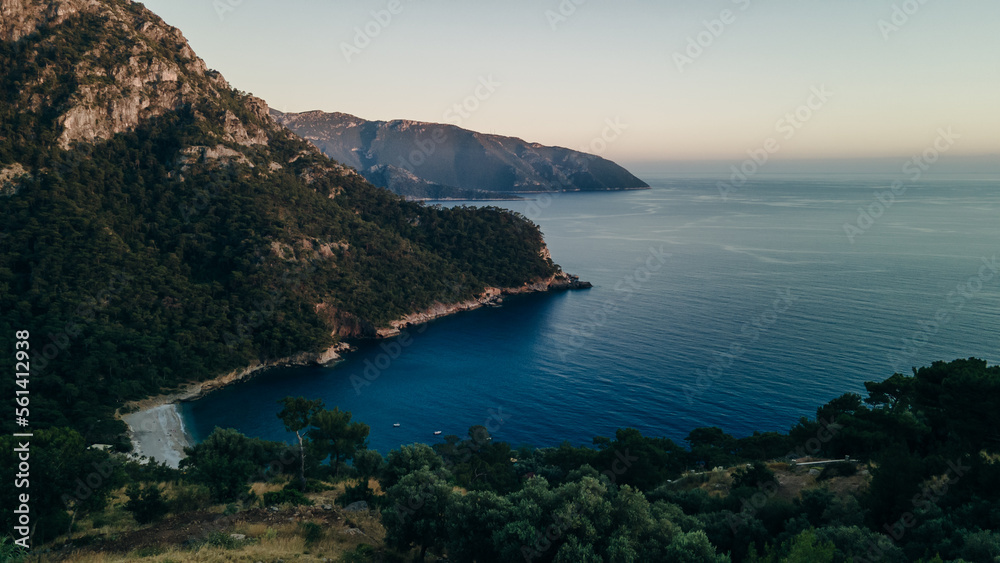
139, 266
929, 493
146, 503
136, 272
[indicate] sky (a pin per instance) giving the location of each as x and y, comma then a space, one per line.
631, 80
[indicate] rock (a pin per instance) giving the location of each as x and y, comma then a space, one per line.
238, 537
327, 507
360, 506
11, 177
351, 531
815, 471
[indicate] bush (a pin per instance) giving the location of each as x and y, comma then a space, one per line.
312, 486
224, 540
361, 491
190, 498
839, 469
312, 532
364, 553
286, 496
146, 504
10, 551
753, 476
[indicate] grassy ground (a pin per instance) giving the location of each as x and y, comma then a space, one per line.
322, 532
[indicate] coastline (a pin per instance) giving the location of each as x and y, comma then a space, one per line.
156, 427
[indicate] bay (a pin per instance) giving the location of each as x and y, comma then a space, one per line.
744, 312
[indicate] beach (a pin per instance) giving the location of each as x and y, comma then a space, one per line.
158, 433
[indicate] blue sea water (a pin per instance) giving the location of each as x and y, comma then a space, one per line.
745, 312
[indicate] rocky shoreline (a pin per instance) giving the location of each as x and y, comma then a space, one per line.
155, 426
491, 296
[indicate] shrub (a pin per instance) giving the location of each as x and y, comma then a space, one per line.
364, 553
839, 469
190, 498
286, 496
312, 532
146, 504
361, 491
753, 476
224, 540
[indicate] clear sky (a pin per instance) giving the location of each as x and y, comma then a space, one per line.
683, 79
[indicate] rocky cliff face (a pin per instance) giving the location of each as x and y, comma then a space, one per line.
123, 83
438, 161
137, 69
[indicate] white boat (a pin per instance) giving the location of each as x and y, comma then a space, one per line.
437, 432
396, 425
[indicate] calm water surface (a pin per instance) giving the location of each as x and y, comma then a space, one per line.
745, 313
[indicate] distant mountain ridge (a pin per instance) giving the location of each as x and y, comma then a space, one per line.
441, 161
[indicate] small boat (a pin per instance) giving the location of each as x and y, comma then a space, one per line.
437, 432
396, 425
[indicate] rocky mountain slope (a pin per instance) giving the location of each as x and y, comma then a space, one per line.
439, 161
158, 227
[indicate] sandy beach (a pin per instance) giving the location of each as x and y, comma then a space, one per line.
158, 433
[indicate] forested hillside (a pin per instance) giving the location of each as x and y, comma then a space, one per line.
157, 227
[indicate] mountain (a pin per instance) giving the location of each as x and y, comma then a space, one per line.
439, 161
158, 227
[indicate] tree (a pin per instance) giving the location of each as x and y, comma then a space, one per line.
335, 435
468, 516
297, 414
693, 547
805, 548
408, 459
416, 513
65, 476
369, 463
893, 393
146, 503
224, 462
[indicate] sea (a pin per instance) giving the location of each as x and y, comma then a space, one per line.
743, 307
